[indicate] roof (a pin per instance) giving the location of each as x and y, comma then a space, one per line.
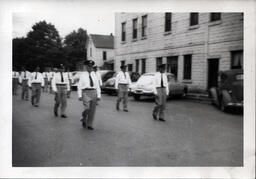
103, 41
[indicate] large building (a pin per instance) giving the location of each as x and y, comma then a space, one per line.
100, 49
195, 46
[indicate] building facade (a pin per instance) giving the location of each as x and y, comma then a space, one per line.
195, 46
100, 49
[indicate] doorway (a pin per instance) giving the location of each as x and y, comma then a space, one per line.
213, 69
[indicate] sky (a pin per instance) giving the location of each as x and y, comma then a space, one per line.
65, 19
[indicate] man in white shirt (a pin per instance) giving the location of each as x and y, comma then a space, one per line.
70, 81
122, 83
15, 81
161, 91
36, 82
88, 91
46, 76
60, 86
23, 80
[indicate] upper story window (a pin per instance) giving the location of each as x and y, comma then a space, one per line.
144, 26
123, 31
134, 28
168, 21
104, 55
215, 17
193, 18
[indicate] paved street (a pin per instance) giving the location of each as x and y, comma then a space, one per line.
195, 134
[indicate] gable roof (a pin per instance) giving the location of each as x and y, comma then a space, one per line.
103, 41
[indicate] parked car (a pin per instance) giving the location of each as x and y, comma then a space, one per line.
144, 86
109, 86
229, 92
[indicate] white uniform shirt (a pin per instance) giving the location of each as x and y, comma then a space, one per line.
122, 79
57, 80
15, 74
84, 82
36, 77
25, 75
99, 77
46, 75
157, 82
51, 74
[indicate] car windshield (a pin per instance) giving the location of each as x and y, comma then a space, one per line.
146, 79
240, 77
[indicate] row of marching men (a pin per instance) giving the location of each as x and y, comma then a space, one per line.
88, 89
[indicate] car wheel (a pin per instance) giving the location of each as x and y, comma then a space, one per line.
136, 97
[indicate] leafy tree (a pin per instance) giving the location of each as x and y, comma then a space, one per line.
74, 47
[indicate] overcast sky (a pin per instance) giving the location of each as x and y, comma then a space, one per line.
65, 18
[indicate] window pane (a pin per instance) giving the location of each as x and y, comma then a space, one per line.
193, 18
137, 65
159, 61
237, 59
134, 33
187, 67
215, 16
123, 31
144, 26
168, 22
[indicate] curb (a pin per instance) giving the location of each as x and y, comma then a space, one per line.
197, 97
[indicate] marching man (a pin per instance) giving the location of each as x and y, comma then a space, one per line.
161, 91
46, 76
23, 80
70, 81
88, 90
60, 85
122, 83
95, 69
15, 81
36, 82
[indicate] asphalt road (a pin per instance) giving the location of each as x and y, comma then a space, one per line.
194, 134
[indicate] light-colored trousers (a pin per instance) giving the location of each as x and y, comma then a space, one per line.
15, 83
122, 95
68, 95
160, 100
46, 82
61, 98
89, 102
36, 92
25, 90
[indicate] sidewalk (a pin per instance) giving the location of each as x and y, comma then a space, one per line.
199, 97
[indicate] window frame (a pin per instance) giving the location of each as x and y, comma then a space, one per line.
135, 30
213, 16
187, 67
168, 22
191, 22
144, 25
137, 65
233, 53
123, 31
159, 61
143, 65
104, 55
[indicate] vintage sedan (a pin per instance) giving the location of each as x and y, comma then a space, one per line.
109, 85
229, 92
144, 86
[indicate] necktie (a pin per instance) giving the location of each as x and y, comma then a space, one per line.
15, 74
62, 80
162, 82
124, 75
91, 82
24, 74
36, 76
46, 75
68, 75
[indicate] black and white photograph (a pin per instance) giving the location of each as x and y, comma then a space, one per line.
125, 88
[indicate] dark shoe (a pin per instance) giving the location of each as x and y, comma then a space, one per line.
64, 116
126, 110
117, 107
160, 119
36, 105
154, 116
89, 128
56, 114
83, 123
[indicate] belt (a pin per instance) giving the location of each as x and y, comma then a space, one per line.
89, 89
161, 87
61, 84
36, 83
25, 79
122, 83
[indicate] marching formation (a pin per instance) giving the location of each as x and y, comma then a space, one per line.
89, 82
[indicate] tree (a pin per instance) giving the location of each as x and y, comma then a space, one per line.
74, 47
20, 52
44, 44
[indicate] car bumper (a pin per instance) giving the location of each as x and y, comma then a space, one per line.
142, 93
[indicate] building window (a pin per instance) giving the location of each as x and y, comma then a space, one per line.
130, 67
143, 66
134, 28
168, 21
122, 62
90, 52
193, 18
123, 31
159, 61
237, 59
215, 16
187, 67
137, 65
144, 26
172, 65
104, 54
